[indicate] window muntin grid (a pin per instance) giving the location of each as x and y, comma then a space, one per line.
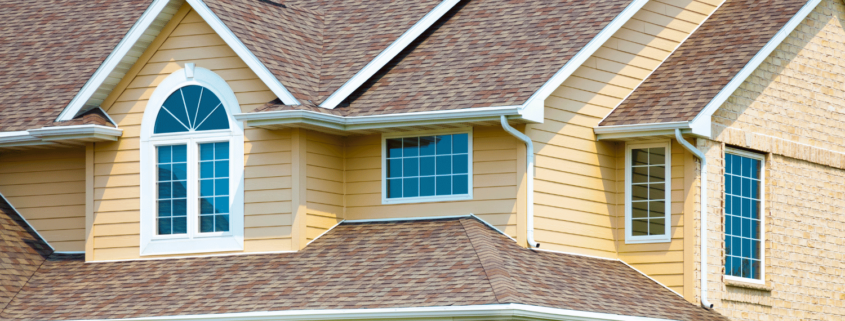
172, 190
214, 187
427, 166
648, 191
743, 234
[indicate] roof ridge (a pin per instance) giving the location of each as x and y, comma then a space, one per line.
491, 261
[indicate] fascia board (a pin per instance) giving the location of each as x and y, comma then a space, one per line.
48, 135
498, 311
639, 130
701, 123
123, 47
243, 52
388, 54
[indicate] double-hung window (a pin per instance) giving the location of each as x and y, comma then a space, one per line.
434, 166
647, 193
191, 167
744, 215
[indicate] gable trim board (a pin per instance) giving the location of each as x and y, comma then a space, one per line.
156, 12
388, 54
701, 124
59, 135
499, 311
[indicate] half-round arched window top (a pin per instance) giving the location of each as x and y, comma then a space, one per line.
191, 108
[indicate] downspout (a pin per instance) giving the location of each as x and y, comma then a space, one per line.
529, 156
704, 302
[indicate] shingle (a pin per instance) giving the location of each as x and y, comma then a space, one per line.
21, 253
695, 73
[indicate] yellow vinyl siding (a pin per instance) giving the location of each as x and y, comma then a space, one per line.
48, 189
267, 159
324, 182
494, 182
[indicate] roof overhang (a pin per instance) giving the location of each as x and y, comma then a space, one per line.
487, 312
58, 136
642, 131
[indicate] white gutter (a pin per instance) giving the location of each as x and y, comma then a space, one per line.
490, 311
49, 135
639, 130
704, 302
529, 157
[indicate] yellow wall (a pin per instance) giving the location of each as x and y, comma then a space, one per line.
324, 156
48, 188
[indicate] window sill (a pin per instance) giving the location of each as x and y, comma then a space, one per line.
430, 199
191, 246
747, 285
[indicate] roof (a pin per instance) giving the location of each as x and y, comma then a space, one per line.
423, 263
482, 53
711, 57
21, 252
48, 51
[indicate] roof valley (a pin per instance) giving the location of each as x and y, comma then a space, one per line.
491, 261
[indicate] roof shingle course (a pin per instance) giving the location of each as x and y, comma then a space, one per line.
21, 253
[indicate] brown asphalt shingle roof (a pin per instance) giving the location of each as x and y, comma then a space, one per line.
447, 262
21, 253
695, 73
49, 49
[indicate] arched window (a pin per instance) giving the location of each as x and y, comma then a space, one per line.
191, 167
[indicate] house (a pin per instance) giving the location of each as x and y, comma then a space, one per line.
422, 160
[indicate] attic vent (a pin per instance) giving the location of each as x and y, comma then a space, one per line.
273, 3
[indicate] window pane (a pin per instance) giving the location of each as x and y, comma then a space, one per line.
755, 168
410, 187
639, 209
221, 187
639, 157
207, 223
746, 166
394, 148
394, 168
217, 120
221, 150
460, 164
164, 190
411, 167
164, 154
179, 189
460, 144
444, 144
746, 207
221, 169
410, 147
206, 206
180, 172
444, 165
427, 145
755, 269
444, 185
166, 123
221, 223
639, 192
427, 186
206, 152
657, 209
206, 169
207, 104
180, 225
657, 191
180, 153
164, 208
426, 166
164, 226
192, 96
728, 205
729, 164
165, 172
639, 174
639, 227
394, 188
221, 205
657, 156
460, 184
657, 227
658, 174
728, 246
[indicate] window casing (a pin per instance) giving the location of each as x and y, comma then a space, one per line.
191, 167
744, 219
648, 192
427, 166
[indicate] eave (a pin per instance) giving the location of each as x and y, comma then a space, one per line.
58, 136
637, 132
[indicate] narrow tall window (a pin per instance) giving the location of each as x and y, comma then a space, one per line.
172, 189
428, 168
214, 187
743, 215
647, 206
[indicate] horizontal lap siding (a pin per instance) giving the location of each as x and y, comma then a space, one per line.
494, 182
116, 164
579, 181
324, 182
48, 189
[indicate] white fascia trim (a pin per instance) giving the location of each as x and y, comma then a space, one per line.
701, 123
403, 219
373, 122
639, 130
539, 97
243, 52
491, 310
388, 54
47, 135
112, 60
27, 223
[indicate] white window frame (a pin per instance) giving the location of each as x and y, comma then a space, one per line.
426, 199
639, 239
762, 159
193, 241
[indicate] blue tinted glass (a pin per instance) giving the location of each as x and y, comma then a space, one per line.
737, 225
728, 266
164, 172
164, 226
728, 206
746, 187
444, 185
728, 245
728, 184
164, 190
755, 269
221, 186
180, 207
180, 225
165, 123
206, 152
444, 144
192, 95
221, 223
217, 120
746, 207
180, 171
460, 143
755, 249
755, 168
394, 148
755, 210
728, 224
737, 266
729, 164
460, 184
444, 165
411, 167
180, 153
410, 187
736, 202
427, 145
394, 188
394, 168
736, 242
460, 164
206, 169
177, 106
427, 186
179, 189
755, 229
207, 104
221, 150
221, 205
207, 223
426, 166
164, 154
164, 208
221, 168
736, 185
410, 147
746, 268
755, 189
206, 187
746, 228
206, 206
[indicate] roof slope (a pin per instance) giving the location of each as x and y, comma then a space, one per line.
48, 51
21, 253
357, 265
482, 53
695, 73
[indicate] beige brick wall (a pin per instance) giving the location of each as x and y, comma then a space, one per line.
790, 109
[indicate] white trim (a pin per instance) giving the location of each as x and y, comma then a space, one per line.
762, 209
27, 222
388, 54
426, 199
401, 219
193, 241
701, 123
492, 227
667, 210
639, 130
59, 134
516, 311
113, 60
243, 52
64, 131
69, 252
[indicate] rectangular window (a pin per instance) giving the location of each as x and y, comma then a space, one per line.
172, 190
428, 168
214, 187
743, 214
647, 190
